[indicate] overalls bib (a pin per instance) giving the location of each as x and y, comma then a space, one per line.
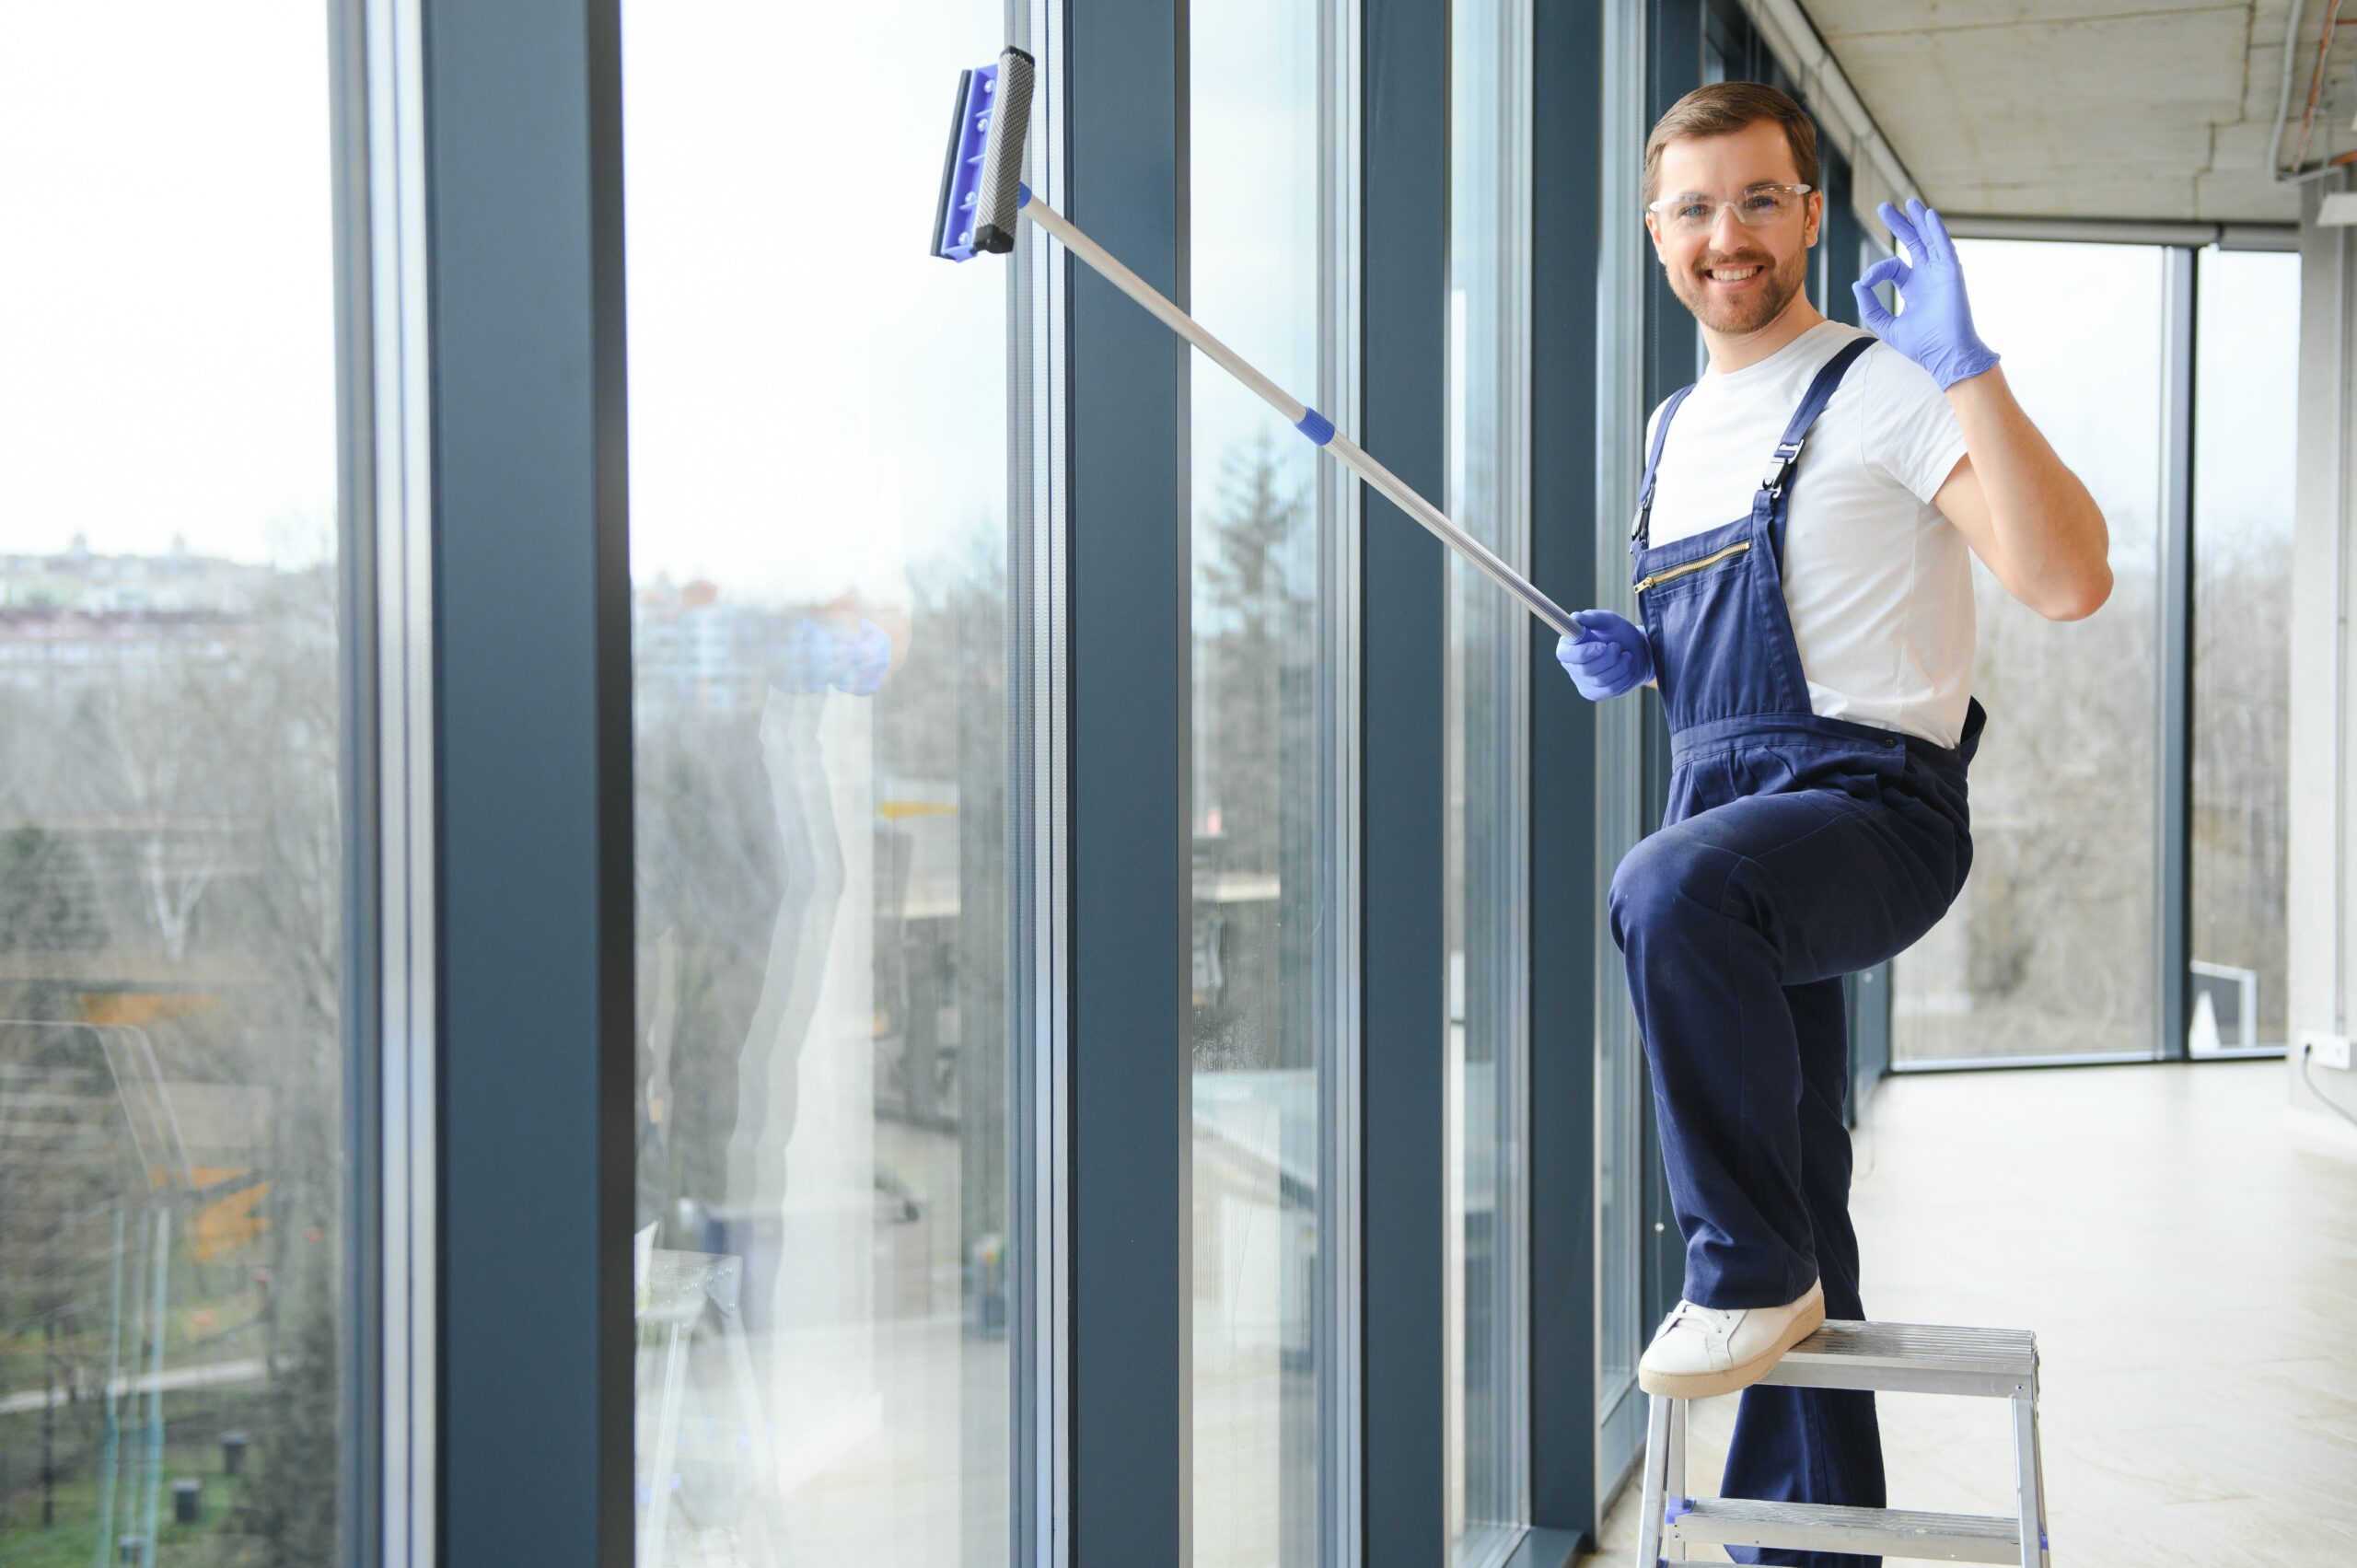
1795, 849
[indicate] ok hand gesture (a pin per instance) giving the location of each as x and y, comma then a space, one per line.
1934, 328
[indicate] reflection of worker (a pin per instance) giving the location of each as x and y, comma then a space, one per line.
818, 655
810, 659
813, 655
1814, 656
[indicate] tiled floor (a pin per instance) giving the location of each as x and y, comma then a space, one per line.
2193, 1281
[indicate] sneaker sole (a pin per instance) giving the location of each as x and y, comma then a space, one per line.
1702, 1385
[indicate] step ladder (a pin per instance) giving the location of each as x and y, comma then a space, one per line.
1920, 1358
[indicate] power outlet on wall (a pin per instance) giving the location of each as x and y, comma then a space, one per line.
2327, 1051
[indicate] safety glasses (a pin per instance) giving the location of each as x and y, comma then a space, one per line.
1759, 206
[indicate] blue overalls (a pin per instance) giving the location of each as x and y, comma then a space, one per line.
1795, 850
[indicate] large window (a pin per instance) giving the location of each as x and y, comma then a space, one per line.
2245, 369
171, 872
1264, 1034
819, 481
2050, 950
1484, 720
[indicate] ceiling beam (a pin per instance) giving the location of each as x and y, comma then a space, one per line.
2126, 231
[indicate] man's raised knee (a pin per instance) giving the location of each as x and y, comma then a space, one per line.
1668, 877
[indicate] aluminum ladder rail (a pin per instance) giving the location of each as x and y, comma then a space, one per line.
1920, 1358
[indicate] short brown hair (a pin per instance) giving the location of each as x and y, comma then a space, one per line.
1720, 109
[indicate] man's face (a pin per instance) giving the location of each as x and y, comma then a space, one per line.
1736, 280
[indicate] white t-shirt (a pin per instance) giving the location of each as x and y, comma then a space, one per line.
1877, 581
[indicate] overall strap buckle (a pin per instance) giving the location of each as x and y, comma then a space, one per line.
1787, 453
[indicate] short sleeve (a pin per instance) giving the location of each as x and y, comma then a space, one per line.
1911, 436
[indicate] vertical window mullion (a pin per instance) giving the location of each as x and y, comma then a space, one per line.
1404, 652
2173, 753
1561, 796
531, 803
1038, 1015
1127, 715
389, 1497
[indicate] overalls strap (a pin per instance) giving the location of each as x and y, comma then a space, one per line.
1653, 466
1768, 506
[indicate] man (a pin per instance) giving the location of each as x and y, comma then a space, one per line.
1806, 599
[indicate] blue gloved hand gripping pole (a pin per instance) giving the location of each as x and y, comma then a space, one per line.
982, 191
1610, 656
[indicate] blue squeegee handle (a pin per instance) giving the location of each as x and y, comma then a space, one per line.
1300, 415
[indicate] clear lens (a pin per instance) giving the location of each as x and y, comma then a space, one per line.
1754, 209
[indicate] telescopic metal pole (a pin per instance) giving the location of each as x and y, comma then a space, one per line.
1297, 413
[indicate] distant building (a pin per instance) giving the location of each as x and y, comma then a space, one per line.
696, 655
72, 618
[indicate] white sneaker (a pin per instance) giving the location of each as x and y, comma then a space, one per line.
1701, 1351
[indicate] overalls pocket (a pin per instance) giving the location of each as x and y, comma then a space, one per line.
1672, 580
1698, 612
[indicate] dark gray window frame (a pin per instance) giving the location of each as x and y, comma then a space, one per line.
531, 783
1128, 718
1403, 654
1566, 218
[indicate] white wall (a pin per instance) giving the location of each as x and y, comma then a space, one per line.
2323, 960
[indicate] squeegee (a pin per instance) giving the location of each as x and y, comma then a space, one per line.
982, 192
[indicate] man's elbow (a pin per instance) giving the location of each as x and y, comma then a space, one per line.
2078, 597
2079, 587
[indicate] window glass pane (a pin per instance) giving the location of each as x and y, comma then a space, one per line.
1261, 1031
2050, 949
819, 549
2246, 370
1483, 755
170, 843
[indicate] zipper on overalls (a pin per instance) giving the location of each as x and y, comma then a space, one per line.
1737, 547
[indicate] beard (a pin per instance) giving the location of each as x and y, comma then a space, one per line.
1737, 314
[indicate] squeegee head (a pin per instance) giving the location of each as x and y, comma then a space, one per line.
979, 179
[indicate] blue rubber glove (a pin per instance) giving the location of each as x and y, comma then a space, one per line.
810, 657
1935, 331
819, 654
865, 657
1609, 657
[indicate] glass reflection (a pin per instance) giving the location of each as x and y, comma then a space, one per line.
1258, 1024
818, 556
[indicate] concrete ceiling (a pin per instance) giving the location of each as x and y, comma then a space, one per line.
2090, 109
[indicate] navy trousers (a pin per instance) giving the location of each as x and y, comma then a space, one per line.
1797, 850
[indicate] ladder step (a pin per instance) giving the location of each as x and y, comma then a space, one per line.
1827, 1526
1922, 1358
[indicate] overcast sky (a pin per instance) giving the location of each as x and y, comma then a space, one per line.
814, 399
166, 364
